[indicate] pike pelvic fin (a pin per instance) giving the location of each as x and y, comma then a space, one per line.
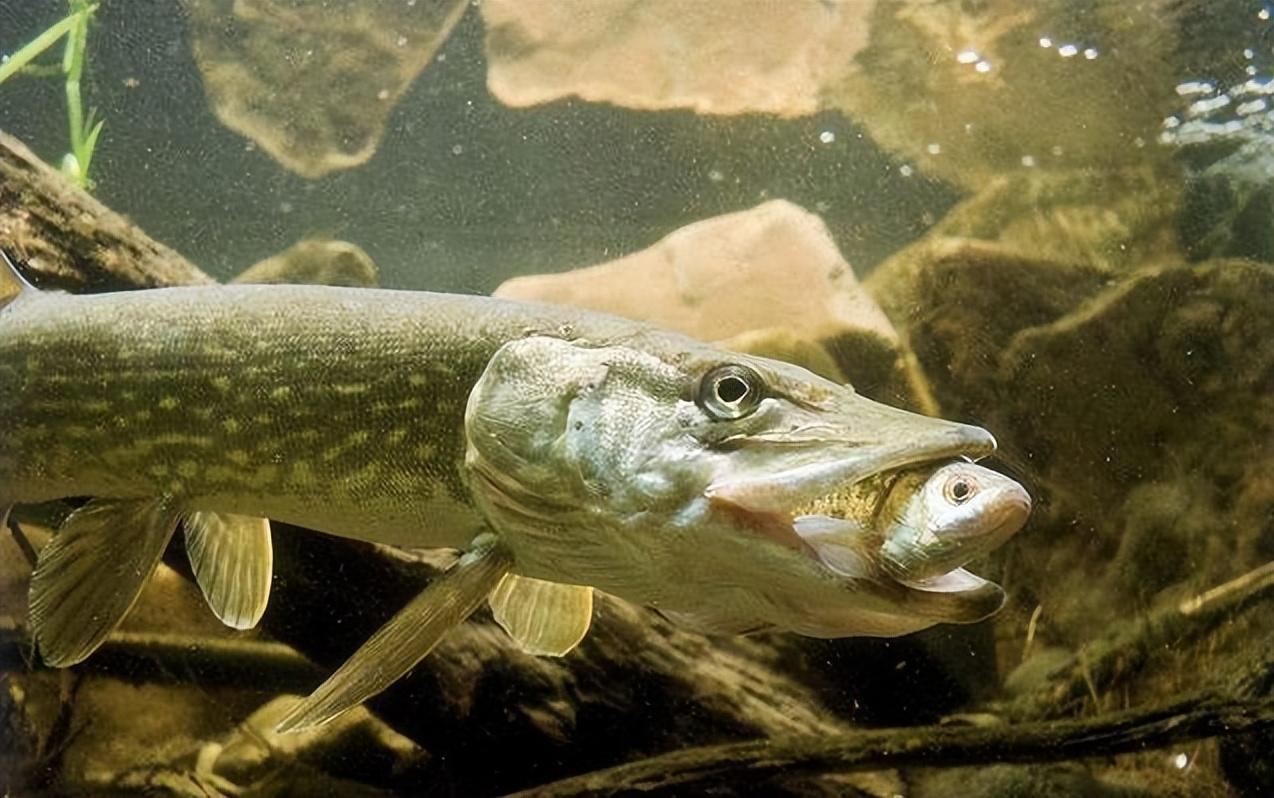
12, 283
233, 562
92, 571
547, 619
407, 638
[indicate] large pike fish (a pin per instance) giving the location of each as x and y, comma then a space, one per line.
562, 450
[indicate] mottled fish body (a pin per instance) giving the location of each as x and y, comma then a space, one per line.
338, 409
564, 450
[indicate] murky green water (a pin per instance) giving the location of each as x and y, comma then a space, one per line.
1050, 219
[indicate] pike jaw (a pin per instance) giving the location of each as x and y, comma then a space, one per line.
670, 480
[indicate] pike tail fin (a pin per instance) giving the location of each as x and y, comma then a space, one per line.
12, 283
90, 574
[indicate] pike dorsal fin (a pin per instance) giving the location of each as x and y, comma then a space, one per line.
92, 571
406, 638
12, 283
547, 619
233, 562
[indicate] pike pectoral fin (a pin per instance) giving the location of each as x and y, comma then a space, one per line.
406, 638
547, 619
233, 563
89, 575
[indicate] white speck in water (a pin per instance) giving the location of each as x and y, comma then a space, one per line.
822, 206
1251, 70
934, 149
1068, 51
457, 149
1263, 14
1090, 53
716, 175
827, 137
1028, 160
402, 41
285, 207
982, 66
441, 57
1046, 42
1139, 142
1170, 122
1180, 761
1192, 87
1249, 54
1057, 151
383, 94
968, 57
905, 170
1205, 107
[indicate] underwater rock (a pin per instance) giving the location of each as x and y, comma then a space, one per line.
965, 91
959, 302
771, 267
969, 91
723, 57
315, 261
314, 84
1170, 371
1224, 217
1138, 409
1114, 221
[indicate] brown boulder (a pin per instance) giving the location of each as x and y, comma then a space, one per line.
772, 267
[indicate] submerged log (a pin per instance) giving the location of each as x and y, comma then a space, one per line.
69, 240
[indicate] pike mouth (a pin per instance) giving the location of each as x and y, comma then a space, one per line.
786, 489
768, 506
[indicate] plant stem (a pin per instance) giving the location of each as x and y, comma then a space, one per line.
38, 45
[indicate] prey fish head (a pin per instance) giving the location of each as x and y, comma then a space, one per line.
669, 476
938, 522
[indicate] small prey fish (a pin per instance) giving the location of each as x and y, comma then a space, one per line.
561, 450
919, 525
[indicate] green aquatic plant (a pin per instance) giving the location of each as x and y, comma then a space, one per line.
84, 129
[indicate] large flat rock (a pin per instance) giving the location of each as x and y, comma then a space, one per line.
720, 57
313, 84
769, 280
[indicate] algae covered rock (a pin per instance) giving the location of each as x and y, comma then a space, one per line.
959, 302
1114, 221
314, 83
966, 91
772, 267
315, 261
1170, 370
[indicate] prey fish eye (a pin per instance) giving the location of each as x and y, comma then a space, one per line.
959, 490
730, 392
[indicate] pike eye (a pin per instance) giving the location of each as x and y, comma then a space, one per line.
959, 490
730, 392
